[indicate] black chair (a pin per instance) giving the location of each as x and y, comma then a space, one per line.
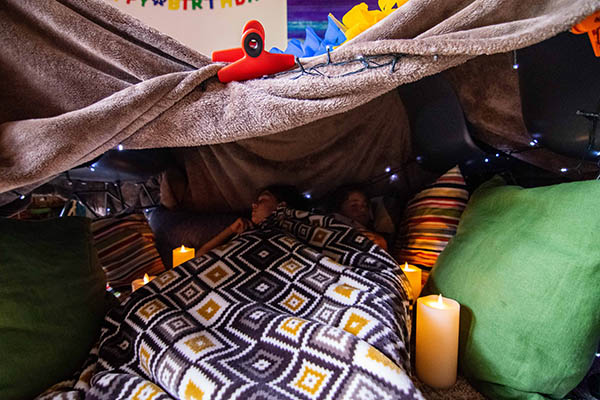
440, 135
20, 203
115, 168
559, 81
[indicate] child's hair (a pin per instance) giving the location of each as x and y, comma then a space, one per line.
341, 194
288, 193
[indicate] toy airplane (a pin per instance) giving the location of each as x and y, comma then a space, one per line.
251, 60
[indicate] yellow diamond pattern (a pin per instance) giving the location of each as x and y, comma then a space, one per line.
209, 309
345, 290
355, 324
311, 380
293, 302
193, 392
199, 343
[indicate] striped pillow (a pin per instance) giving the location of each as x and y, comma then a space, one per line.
430, 221
126, 249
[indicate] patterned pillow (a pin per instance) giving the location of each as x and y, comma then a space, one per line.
126, 249
430, 221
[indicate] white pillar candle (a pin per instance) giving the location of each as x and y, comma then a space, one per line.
414, 277
437, 341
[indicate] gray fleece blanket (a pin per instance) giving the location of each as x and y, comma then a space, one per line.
79, 77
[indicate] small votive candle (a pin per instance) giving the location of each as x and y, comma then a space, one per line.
437, 341
182, 254
414, 277
138, 283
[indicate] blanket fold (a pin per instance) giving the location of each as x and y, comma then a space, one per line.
81, 77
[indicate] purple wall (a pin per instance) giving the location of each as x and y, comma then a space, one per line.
303, 13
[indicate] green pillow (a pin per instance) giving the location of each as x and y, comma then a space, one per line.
525, 267
52, 293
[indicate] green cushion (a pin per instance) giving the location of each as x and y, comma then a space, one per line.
52, 293
525, 267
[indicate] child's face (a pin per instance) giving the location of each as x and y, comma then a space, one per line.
356, 206
264, 206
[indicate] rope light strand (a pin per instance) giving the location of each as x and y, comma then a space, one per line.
365, 62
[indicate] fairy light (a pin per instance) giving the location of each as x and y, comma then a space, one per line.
307, 195
515, 65
563, 170
387, 169
394, 177
120, 147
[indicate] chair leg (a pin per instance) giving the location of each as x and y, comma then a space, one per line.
120, 193
85, 204
152, 202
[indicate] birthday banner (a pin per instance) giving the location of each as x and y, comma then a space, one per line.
208, 25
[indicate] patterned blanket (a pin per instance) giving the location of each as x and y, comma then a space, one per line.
302, 308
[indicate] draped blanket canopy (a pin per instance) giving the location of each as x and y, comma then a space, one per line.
79, 77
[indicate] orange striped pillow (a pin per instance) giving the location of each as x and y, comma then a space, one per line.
126, 249
430, 221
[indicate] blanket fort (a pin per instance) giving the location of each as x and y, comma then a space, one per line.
302, 308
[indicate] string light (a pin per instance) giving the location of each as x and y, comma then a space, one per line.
515, 65
120, 147
533, 143
564, 169
497, 154
486, 160
419, 158
22, 197
307, 195
394, 177
387, 169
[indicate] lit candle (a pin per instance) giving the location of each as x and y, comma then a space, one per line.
138, 283
437, 341
414, 277
182, 254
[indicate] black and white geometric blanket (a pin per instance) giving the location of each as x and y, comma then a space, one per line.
302, 308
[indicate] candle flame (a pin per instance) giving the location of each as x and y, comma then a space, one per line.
146, 278
440, 300
407, 268
182, 248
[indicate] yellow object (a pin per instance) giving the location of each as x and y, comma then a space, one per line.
138, 283
182, 254
591, 26
437, 340
414, 277
360, 18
